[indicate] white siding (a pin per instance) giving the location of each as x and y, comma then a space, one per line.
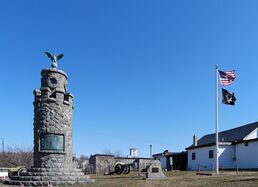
226, 154
205, 163
247, 156
252, 135
201, 158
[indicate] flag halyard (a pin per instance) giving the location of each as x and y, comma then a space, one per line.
225, 78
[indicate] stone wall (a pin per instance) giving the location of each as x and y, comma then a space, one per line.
102, 163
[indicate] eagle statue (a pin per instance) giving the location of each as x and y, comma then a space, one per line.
54, 59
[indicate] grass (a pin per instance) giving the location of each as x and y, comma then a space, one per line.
180, 179
176, 179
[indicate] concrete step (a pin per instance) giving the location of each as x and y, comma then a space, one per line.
45, 183
50, 178
59, 173
54, 170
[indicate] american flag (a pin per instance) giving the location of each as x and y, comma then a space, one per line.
227, 78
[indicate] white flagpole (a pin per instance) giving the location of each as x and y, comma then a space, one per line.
217, 123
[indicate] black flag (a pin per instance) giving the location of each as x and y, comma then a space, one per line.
228, 97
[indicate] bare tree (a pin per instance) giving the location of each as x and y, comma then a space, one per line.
118, 154
107, 152
16, 156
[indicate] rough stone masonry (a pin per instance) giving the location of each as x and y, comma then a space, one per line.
53, 107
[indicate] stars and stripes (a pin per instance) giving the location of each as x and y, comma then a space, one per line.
227, 78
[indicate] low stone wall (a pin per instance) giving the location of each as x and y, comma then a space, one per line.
105, 163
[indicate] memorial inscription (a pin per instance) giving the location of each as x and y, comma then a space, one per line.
52, 142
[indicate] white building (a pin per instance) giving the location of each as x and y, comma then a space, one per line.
238, 148
133, 153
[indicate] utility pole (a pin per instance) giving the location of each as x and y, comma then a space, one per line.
2, 145
150, 151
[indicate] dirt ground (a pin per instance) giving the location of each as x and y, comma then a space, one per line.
175, 179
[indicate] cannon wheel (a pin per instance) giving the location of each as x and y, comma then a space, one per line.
126, 169
119, 169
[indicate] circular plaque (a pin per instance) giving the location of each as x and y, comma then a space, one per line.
52, 82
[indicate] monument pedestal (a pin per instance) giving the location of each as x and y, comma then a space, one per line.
53, 107
44, 176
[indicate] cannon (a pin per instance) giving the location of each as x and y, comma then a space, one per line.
120, 168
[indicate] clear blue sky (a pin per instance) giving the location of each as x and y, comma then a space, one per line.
142, 72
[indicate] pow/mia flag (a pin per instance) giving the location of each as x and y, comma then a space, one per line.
228, 97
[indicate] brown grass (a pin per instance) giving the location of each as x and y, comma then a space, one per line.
179, 179
176, 179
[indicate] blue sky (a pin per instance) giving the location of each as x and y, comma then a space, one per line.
142, 72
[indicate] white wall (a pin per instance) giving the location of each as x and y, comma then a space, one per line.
247, 156
226, 154
205, 163
133, 152
252, 135
201, 158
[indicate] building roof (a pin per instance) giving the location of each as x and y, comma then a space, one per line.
119, 157
231, 135
166, 153
243, 141
102, 155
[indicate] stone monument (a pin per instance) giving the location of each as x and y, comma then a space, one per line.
154, 171
53, 107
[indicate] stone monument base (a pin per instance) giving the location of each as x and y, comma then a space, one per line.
154, 171
53, 176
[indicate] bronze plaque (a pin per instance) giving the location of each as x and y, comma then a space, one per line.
155, 170
52, 142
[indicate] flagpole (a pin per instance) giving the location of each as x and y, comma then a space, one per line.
217, 123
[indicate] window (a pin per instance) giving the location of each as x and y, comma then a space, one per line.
66, 97
193, 156
211, 154
246, 143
